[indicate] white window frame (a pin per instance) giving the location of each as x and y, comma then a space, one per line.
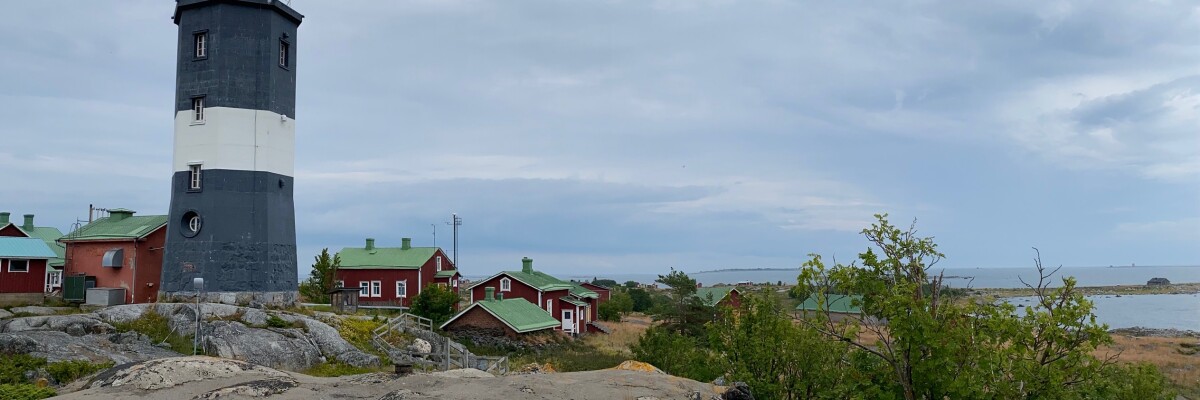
439, 263
198, 110
200, 40
549, 305
285, 53
376, 288
505, 285
364, 289
194, 171
453, 282
10, 264
402, 288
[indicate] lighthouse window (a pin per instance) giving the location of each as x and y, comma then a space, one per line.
198, 109
201, 41
194, 177
284, 49
192, 223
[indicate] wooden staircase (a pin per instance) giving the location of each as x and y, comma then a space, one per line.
453, 355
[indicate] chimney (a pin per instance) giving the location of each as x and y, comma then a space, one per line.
28, 222
118, 214
405, 243
489, 293
527, 265
370, 243
4, 218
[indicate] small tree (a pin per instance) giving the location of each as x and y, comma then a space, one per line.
619, 303
435, 302
686, 313
322, 278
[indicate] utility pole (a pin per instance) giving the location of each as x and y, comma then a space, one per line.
456, 221
434, 234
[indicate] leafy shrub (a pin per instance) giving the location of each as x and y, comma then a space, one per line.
435, 302
25, 392
13, 367
275, 322
68, 371
676, 354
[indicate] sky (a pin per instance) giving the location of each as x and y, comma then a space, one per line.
617, 137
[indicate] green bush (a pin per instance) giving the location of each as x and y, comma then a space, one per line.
676, 354
13, 367
276, 322
68, 371
158, 329
435, 302
25, 392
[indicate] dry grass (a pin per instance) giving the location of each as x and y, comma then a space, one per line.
624, 334
1183, 371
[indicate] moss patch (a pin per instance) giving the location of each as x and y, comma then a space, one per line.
158, 328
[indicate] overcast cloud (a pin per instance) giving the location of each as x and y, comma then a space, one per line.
633, 136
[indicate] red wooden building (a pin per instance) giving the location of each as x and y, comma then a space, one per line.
49, 235
394, 275
724, 296
573, 305
23, 262
120, 251
602, 291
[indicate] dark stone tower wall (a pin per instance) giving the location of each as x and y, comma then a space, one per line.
245, 247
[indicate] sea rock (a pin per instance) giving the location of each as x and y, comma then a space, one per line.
286, 349
331, 343
38, 310
5, 314
420, 346
75, 325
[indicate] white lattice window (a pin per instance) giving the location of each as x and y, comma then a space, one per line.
364, 289
505, 285
401, 288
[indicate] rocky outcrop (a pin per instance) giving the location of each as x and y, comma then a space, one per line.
288, 349
74, 325
54, 346
40, 310
5, 313
171, 372
331, 343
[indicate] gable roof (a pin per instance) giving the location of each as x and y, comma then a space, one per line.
385, 257
108, 228
582, 292
718, 293
446, 273
50, 235
535, 279
19, 247
517, 313
836, 303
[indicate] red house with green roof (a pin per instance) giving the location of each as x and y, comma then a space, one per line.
23, 263
573, 305
53, 273
394, 275
513, 316
121, 250
724, 296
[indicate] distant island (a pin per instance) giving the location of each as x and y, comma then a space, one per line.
745, 269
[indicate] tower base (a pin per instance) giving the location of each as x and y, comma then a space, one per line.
265, 299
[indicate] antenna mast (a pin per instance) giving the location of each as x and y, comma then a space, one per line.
456, 221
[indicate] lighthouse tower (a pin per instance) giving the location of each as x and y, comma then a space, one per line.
232, 219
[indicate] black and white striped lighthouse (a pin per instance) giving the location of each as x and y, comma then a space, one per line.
232, 219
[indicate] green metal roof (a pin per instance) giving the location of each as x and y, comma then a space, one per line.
573, 301
582, 292
19, 247
446, 273
385, 257
540, 280
717, 293
50, 235
835, 303
519, 314
107, 228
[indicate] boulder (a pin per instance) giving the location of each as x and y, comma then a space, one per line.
739, 391
288, 349
75, 324
254, 317
420, 346
333, 345
39, 310
4, 313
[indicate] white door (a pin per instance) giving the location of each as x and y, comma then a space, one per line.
568, 320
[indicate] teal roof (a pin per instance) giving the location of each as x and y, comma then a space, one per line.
717, 293
519, 314
50, 235
107, 228
446, 273
573, 301
19, 247
836, 303
385, 257
582, 292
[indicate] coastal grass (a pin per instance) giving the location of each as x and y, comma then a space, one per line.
69, 371
158, 329
1169, 354
25, 392
331, 369
624, 334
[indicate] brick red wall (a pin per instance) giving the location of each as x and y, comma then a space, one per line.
604, 293
12, 231
734, 300
140, 274
479, 318
387, 278
33, 281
